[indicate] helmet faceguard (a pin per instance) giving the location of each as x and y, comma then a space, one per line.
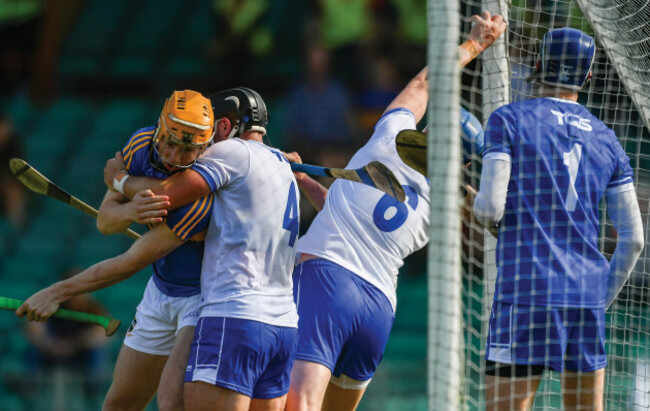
565, 59
185, 128
243, 107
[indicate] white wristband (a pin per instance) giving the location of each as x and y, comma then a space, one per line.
118, 185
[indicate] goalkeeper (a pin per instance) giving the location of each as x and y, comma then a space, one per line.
547, 163
344, 285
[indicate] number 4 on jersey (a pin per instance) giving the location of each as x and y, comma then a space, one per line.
291, 222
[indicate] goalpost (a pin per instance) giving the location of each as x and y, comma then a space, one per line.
461, 266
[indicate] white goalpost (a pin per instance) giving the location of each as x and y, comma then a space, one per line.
461, 265
445, 345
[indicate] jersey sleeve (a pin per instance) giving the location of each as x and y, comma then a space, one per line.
192, 218
136, 151
623, 173
223, 163
392, 123
500, 128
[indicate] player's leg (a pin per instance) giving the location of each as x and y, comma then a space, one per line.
339, 398
185, 312
583, 391
170, 390
309, 381
148, 343
135, 380
583, 382
518, 352
233, 360
203, 396
273, 404
327, 298
362, 352
510, 393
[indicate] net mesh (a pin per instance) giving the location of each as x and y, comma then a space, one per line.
618, 95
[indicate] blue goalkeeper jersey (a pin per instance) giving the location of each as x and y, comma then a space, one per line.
179, 273
563, 159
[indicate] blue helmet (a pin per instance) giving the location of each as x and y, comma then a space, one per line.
565, 59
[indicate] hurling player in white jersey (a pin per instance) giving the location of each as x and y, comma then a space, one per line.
157, 345
345, 282
244, 342
547, 163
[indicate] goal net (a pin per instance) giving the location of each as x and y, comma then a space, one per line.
619, 95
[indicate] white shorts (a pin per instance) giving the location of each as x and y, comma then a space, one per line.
158, 319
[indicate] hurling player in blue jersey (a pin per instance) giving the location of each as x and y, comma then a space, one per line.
547, 163
344, 284
156, 346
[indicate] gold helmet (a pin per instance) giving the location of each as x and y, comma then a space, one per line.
186, 122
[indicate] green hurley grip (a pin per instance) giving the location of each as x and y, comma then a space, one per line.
9, 303
110, 324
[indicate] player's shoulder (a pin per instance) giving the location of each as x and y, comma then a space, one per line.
142, 134
137, 147
225, 147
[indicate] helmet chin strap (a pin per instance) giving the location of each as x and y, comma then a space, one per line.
233, 131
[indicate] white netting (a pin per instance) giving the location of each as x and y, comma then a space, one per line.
618, 94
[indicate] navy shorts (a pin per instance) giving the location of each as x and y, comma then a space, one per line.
249, 357
557, 338
344, 321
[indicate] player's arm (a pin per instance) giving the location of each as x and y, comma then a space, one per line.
623, 211
152, 246
415, 95
117, 213
181, 188
490, 201
485, 30
313, 190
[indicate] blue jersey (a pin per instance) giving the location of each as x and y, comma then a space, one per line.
179, 273
563, 159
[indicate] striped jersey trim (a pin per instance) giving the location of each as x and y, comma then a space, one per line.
136, 143
195, 215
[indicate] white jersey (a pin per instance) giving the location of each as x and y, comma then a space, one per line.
250, 244
366, 231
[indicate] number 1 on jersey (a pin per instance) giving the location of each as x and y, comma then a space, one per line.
291, 222
572, 161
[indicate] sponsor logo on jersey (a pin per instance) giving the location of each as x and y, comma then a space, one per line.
572, 120
193, 313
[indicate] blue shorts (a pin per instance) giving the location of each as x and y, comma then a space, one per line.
344, 321
249, 357
557, 338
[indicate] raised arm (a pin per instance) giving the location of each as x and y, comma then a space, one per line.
485, 30
152, 246
415, 95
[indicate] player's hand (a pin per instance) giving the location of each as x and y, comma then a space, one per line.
40, 306
486, 29
294, 157
148, 208
112, 168
468, 213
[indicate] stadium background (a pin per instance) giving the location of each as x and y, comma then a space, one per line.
95, 71
102, 70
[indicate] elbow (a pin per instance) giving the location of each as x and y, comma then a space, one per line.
487, 214
102, 227
638, 243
